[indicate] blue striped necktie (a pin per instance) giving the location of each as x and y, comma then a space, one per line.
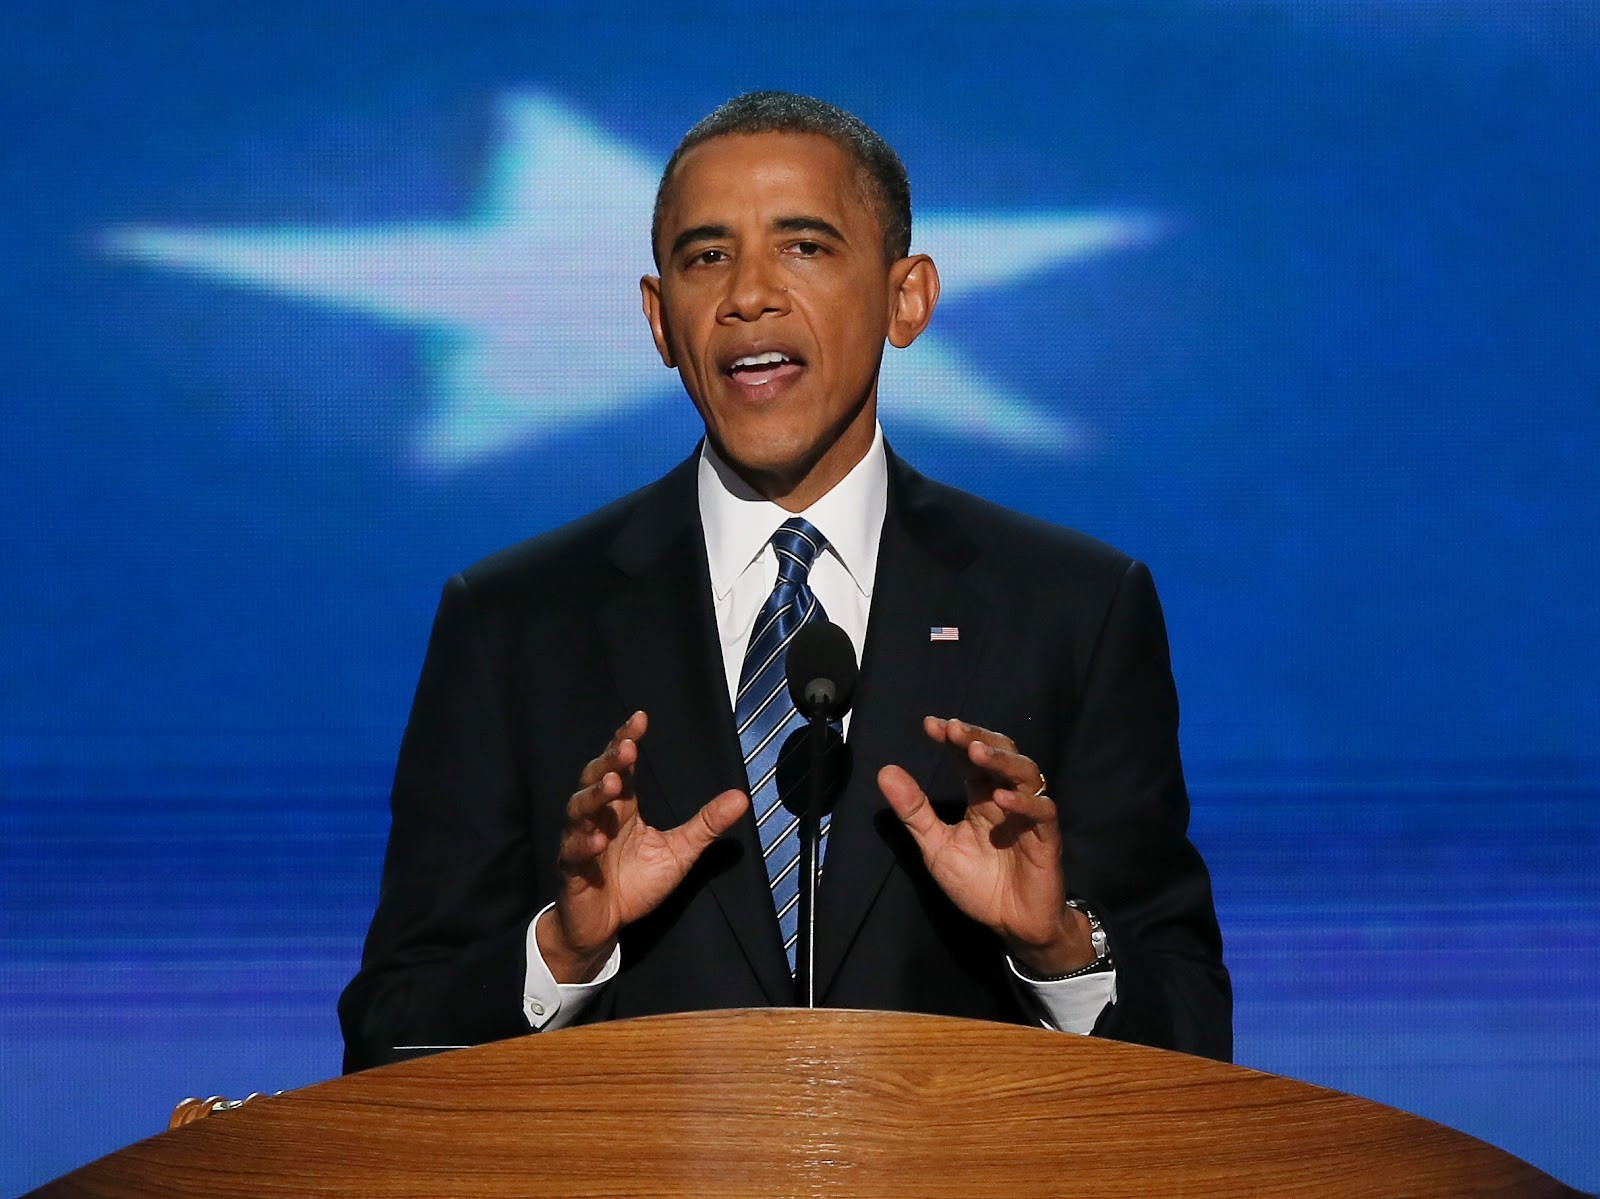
766, 715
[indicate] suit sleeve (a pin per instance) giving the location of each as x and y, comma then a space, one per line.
1126, 852
444, 962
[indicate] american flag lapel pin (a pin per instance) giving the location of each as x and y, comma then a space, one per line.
944, 632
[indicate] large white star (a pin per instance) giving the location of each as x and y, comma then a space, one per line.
531, 304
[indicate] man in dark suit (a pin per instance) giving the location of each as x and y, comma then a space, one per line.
1025, 862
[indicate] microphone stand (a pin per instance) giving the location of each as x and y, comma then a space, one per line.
805, 953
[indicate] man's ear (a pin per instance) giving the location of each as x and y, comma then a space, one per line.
650, 293
914, 290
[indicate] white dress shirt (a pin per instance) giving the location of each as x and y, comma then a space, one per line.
739, 524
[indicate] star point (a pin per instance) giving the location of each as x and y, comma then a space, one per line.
525, 303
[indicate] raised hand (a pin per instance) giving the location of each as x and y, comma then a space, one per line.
614, 867
1001, 864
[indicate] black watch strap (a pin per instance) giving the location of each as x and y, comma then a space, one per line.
1097, 938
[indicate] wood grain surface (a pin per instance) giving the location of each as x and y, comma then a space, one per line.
785, 1102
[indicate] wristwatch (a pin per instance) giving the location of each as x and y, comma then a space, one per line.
1097, 940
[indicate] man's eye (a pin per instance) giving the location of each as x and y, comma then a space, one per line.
807, 249
708, 257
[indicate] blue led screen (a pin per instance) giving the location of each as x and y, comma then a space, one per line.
305, 307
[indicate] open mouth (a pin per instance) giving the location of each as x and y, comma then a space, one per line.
759, 371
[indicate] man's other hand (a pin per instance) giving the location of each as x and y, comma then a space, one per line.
1001, 864
614, 867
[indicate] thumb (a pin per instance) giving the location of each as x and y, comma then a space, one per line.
709, 823
723, 811
910, 804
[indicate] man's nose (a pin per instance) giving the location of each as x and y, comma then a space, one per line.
754, 290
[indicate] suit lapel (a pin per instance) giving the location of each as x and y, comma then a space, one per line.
904, 677
661, 641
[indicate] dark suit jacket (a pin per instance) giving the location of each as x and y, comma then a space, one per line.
540, 651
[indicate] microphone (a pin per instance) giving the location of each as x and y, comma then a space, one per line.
821, 666
821, 670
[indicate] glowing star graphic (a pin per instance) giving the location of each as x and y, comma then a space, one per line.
531, 309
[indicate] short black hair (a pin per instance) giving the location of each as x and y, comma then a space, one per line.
882, 173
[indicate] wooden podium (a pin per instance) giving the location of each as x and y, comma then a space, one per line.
793, 1102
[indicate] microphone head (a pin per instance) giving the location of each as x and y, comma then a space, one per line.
821, 667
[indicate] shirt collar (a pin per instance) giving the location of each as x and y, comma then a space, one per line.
739, 521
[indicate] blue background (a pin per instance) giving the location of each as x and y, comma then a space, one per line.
1346, 405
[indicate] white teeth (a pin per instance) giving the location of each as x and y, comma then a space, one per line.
771, 357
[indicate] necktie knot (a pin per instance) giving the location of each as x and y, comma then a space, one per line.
797, 544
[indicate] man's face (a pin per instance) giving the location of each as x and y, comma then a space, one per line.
774, 301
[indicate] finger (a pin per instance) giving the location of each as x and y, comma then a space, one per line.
620, 753
588, 803
578, 848
619, 756
959, 732
1036, 808
911, 805
595, 816
581, 843
1016, 769
632, 728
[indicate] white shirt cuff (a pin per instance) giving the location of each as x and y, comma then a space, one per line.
1069, 1004
550, 1005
